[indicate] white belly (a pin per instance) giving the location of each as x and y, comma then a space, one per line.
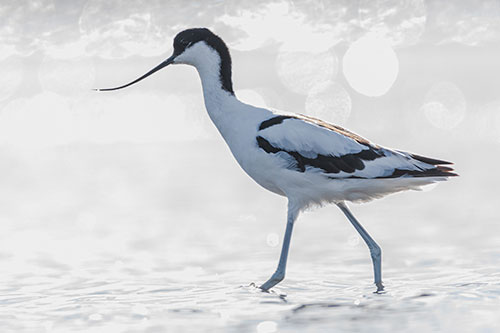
314, 188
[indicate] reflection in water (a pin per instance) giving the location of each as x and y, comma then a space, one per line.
320, 305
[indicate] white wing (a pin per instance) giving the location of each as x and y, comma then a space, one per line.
311, 145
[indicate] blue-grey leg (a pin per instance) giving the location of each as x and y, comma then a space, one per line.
375, 251
279, 274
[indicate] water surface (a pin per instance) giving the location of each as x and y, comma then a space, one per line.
103, 246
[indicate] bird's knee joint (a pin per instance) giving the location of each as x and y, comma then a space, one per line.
376, 252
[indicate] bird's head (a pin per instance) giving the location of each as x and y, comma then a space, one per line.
198, 47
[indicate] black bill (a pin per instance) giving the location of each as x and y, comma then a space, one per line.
157, 68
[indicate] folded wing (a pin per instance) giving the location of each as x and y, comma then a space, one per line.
311, 145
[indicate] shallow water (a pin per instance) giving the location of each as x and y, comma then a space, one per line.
140, 252
125, 212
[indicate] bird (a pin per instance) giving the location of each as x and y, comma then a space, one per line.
309, 161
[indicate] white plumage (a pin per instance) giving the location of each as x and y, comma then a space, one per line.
307, 160
309, 140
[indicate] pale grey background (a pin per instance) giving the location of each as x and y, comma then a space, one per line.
124, 211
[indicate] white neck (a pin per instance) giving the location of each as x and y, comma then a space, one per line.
215, 97
207, 61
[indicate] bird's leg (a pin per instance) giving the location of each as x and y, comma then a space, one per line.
279, 275
375, 251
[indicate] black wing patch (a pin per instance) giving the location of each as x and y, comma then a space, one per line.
439, 171
330, 164
273, 121
348, 163
429, 160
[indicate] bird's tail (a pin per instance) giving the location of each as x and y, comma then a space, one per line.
440, 169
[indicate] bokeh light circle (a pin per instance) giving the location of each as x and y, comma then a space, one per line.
272, 240
371, 66
267, 326
444, 105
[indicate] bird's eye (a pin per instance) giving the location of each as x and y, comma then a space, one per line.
185, 44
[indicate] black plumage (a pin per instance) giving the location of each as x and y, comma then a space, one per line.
330, 164
273, 121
